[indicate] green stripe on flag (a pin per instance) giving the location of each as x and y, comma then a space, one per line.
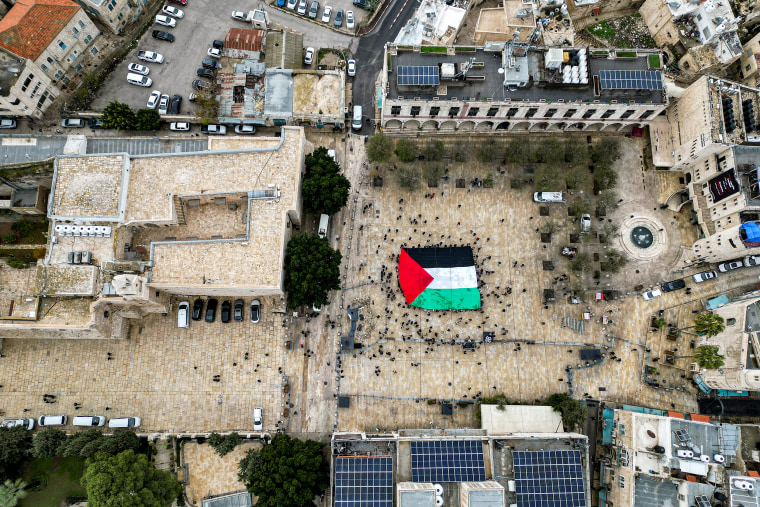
445, 299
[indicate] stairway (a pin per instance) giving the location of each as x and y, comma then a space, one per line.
180, 211
705, 214
576, 325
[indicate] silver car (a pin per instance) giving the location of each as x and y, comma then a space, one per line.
704, 276
15, 423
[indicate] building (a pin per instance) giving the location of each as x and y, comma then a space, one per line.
115, 14
514, 21
460, 468
435, 23
750, 62
703, 32
580, 10
55, 35
24, 89
505, 87
130, 233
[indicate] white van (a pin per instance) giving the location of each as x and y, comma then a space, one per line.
183, 315
137, 79
331, 153
258, 424
324, 223
89, 420
356, 123
548, 197
52, 420
124, 422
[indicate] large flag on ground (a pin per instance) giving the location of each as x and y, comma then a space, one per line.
439, 278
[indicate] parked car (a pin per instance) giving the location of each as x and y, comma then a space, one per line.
255, 311
338, 18
94, 123
183, 2
198, 309
314, 9
155, 96
53, 420
207, 73
730, 265
166, 21
7, 124
651, 294
138, 80
258, 423
150, 56
350, 20
238, 311
673, 285
214, 129
751, 260
326, 14
124, 422
193, 97
211, 310
163, 106
138, 69
89, 421
218, 44
15, 423
161, 35
214, 53
226, 311
548, 197
173, 11
240, 16
302, 6
201, 85
292, 4
183, 314
73, 123
308, 57
280, 3
181, 126
704, 276
585, 222
209, 63
351, 68
245, 129
175, 104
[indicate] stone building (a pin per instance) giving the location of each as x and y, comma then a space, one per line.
129, 233
115, 14
54, 34
505, 87
514, 21
581, 9
24, 89
750, 62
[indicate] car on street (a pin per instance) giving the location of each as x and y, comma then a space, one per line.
207, 73
338, 18
15, 423
752, 260
201, 85
240, 16
238, 310
183, 2
166, 21
673, 285
730, 265
258, 423
160, 35
255, 311
183, 314
150, 56
214, 53
198, 309
651, 294
155, 96
308, 57
292, 4
302, 6
245, 129
314, 9
193, 97
73, 123
585, 222
175, 104
351, 68
138, 69
179, 126
211, 310
350, 20
7, 124
94, 123
226, 311
705, 275
210, 63
214, 129
173, 11
163, 105
326, 14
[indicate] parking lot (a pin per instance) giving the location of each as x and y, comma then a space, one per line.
345, 5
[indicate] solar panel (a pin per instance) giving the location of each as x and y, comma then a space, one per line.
549, 478
631, 79
447, 461
702, 501
414, 75
364, 481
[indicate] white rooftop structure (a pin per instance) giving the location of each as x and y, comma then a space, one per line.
433, 23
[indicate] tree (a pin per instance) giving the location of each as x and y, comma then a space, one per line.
707, 357
606, 151
488, 152
708, 323
408, 178
605, 177
312, 269
86, 443
11, 492
224, 444
615, 262
379, 148
519, 151
581, 262
148, 119
286, 472
577, 177
15, 446
207, 108
548, 177
573, 413
432, 174
47, 443
127, 479
576, 152
606, 201
434, 151
462, 151
120, 441
119, 116
550, 152
406, 150
324, 189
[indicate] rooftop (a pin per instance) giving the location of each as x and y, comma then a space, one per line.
31, 25
11, 67
320, 93
90, 187
435, 22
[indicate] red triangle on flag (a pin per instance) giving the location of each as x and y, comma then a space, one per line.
413, 278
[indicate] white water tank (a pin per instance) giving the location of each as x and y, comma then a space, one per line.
438, 501
438, 489
719, 458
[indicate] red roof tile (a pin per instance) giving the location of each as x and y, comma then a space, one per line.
32, 25
244, 38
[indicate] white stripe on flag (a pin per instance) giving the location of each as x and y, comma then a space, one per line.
453, 278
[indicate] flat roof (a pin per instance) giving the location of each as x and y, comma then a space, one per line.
90, 187
520, 419
318, 93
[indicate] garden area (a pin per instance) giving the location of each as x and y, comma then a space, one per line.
627, 32
17, 235
52, 480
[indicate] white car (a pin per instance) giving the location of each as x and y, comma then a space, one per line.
351, 68
166, 21
752, 260
292, 4
302, 6
7, 124
183, 311
651, 294
240, 16
704, 276
548, 197
326, 14
155, 96
308, 57
585, 222
730, 265
350, 20
163, 106
138, 69
258, 424
245, 129
173, 11
214, 53
14, 423
150, 56
179, 126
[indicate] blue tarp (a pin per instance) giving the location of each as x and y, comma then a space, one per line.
701, 384
752, 230
717, 302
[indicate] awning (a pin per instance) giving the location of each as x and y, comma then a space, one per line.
752, 230
723, 186
717, 302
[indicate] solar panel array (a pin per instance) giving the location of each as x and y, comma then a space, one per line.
631, 79
415, 75
447, 461
549, 479
364, 481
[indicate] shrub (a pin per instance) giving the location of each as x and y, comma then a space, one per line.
406, 150
408, 178
9, 238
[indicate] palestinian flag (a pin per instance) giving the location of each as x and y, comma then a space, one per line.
439, 278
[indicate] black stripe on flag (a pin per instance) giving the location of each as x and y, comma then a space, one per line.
451, 257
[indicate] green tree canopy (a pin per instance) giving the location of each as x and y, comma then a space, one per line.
312, 269
576, 152
519, 151
224, 444
604, 155
127, 480
379, 148
47, 443
406, 150
707, 356
551, 152
434, 150
572, 412
408, 177
709, 323
11, 492
286, 472
325, 190
119, 116
15, 446
86, 443
148, 119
